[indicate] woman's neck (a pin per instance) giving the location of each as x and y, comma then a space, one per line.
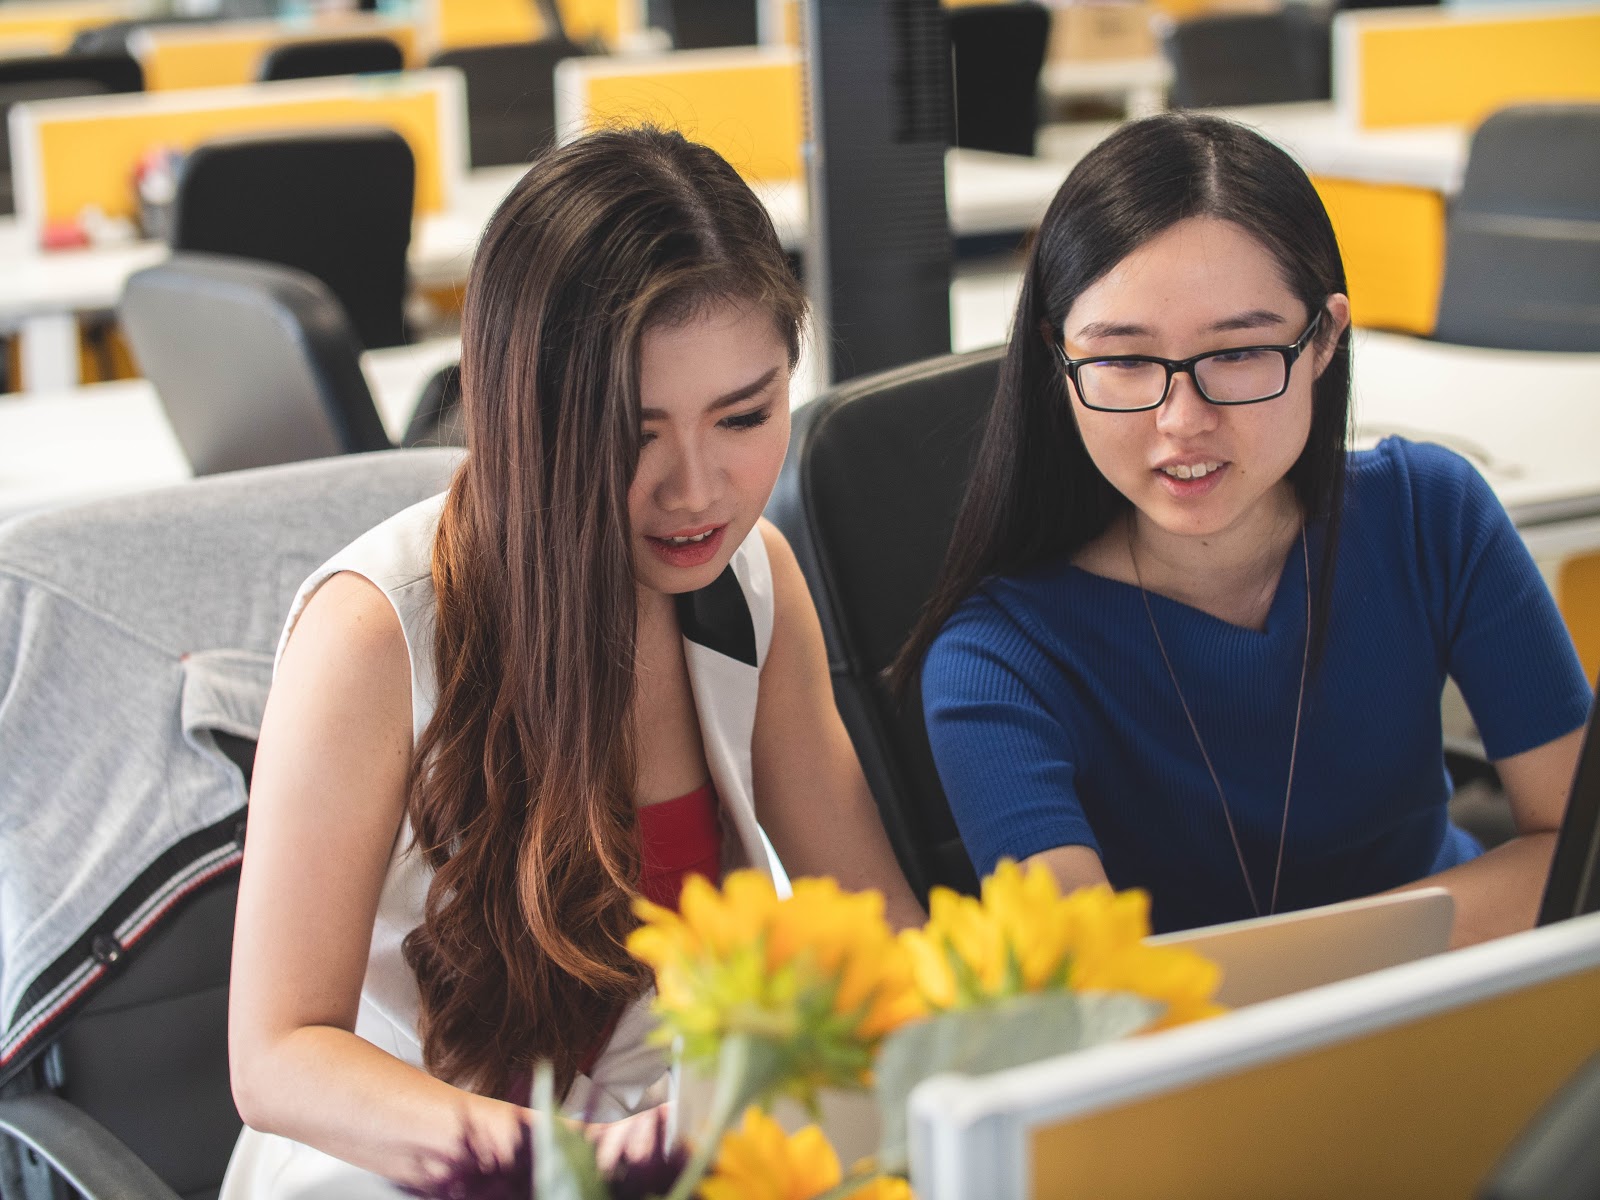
1233, 574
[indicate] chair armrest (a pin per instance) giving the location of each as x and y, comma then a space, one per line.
80, 1149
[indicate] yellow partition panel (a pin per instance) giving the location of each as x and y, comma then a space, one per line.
746, 105
48, 28
84, 152
1578, 594
482, 22
1392, 239
604, 21
1456, 67
228, 55
1421, 1110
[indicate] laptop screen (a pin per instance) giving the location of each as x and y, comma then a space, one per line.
1574, 885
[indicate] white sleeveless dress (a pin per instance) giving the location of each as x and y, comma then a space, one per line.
727, 629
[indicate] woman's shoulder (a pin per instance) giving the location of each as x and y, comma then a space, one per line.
1432, 485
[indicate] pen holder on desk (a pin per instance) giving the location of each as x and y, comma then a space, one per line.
155, 183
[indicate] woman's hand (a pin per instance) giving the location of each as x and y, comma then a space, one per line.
629, 1139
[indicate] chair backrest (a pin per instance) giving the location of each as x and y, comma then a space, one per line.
511, 105
1245, 58
140, 580
334, 203
437, 418
868, 497
316, 57
996, 53
255, 363
705, 24
1522, 248
112, 37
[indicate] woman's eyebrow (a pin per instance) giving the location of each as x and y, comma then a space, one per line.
727, 400
1256, 318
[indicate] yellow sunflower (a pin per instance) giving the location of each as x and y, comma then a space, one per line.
758, 1161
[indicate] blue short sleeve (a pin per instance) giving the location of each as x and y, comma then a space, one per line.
1501, 635
1004, 757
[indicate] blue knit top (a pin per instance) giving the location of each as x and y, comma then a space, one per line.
1054, 722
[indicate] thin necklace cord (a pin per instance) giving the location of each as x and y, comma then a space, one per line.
1294, 745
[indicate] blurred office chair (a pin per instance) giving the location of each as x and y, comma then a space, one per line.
1558, 1156
49, 77
254, 362
511, 104
336, 203
313, 58
136, 645
1522, 242
112, 37
1249, 58
996, 54
436, 421
868, 496
704, 24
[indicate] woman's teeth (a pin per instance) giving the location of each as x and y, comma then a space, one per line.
689, 541
1198, 471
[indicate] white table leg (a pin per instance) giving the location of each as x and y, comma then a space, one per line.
49, 352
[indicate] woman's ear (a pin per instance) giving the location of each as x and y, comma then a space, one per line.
1334, 325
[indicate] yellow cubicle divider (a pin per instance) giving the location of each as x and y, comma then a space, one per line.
1408, 1082
453, 23
70, 154
1456, 65
608, 22
1392, 239
228, 54
1578, 594
48, 26
745, 103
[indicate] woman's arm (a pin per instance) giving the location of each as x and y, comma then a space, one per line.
1499, 892
811, 796
325, 809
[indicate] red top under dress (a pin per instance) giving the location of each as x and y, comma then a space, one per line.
677, 838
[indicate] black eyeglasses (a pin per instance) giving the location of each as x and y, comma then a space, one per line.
1139, 382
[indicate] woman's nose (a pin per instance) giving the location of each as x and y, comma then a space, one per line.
1185, 411
690, 486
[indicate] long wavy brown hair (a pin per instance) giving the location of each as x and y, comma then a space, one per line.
521, 796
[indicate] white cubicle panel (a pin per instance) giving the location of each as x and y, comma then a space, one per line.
1406, 1082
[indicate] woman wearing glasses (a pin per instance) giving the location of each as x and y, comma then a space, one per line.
1185, 639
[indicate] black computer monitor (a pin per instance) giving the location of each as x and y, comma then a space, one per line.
1574, 885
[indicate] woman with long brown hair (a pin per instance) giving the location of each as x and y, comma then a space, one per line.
583, 672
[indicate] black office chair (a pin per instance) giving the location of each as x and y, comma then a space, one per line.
336, 203
1558, 1156
112, 37
511, 105
1522, 246
255, 363
314, 58
868, 497
704, 24
119, 1083
1249, 58
436, 420
50, 77
996, 54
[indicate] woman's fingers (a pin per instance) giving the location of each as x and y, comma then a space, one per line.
630, 1138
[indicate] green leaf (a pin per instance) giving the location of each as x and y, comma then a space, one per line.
564, 1166
993, 1037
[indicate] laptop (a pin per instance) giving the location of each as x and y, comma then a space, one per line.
1263, 958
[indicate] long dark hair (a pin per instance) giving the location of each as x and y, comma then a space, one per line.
1035, 494
521, 796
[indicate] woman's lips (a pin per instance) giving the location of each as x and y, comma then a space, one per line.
1186, 489
688, 554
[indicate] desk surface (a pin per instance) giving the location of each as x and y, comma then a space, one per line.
988, 193
113, 437
1321, 140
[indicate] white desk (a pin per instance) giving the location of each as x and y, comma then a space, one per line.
1142, 82
108, 438
41, 293
1321, 141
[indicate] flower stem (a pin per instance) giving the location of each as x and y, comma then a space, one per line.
738, 1078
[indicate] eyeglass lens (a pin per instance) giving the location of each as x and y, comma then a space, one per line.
1231, 377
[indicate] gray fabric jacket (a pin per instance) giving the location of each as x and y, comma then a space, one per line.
130, 630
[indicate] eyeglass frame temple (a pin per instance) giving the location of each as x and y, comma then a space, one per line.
1174, 367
